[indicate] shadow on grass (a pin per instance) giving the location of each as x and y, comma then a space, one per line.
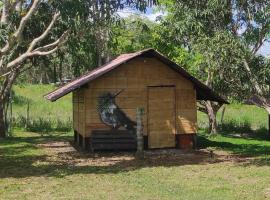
23, 157
260, 134
244, 149
26, 167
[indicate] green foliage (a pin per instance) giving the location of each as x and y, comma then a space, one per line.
223, 33
131, 34
41, 124
234, 126
90, 27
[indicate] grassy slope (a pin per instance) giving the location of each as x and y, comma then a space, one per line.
39, 107
25, 172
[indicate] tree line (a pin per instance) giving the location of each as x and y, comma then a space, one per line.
215, 40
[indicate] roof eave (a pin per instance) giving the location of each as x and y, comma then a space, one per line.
88, 77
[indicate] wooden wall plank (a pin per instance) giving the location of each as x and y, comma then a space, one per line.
161, 117
134, 77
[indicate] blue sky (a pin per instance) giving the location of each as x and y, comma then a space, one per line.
265, 49
150, 14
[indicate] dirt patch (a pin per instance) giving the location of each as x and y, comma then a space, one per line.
62, 153
267, 193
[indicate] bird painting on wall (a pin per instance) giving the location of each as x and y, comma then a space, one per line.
111, 114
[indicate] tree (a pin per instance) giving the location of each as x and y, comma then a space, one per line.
11, 54
227, 34
132, 34
20, 44
250, 22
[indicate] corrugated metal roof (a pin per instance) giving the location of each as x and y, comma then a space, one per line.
203, 91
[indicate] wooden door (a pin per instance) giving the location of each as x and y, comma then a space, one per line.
161, 117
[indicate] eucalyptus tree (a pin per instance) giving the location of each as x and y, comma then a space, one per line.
19, 43
228, 34
15, 17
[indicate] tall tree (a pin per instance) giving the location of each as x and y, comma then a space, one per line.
228, 34
19, 43
13, 54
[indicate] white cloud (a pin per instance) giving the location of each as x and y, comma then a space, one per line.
150, 15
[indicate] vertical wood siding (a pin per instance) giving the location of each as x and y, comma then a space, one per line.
134, 77
161, 117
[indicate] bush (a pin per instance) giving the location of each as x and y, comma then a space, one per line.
63, 126
236, 126
42, 125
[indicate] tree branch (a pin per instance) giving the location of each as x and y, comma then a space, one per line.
254, 82
58, 42
44, 34
260, 40
261, 102
41, 51
18, 33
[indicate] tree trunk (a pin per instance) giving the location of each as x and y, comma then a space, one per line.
3, 126
211, 113
61, 68
5, 91
222, 115
4, 13
269, 125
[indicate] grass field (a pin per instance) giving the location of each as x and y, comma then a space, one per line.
35, 166
44, 116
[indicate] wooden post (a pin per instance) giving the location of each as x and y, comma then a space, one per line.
269, 124
27, 115
139, 114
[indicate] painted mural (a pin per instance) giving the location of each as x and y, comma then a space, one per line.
111, 114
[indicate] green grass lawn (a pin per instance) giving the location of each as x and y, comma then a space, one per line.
30, 171
36, 166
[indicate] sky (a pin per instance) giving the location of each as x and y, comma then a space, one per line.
265, 49
152, 15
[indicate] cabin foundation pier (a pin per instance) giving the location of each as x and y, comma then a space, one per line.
186, 141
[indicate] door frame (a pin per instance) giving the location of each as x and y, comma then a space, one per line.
147, 118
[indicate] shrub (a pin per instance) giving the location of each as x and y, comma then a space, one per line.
236, 126
63, 126
42, 125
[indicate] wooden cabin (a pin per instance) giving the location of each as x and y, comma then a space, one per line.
146, 80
